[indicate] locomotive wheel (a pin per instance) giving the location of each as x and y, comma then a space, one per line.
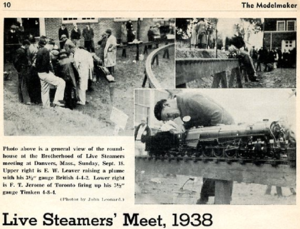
217, 152
199, 151
241, 154
208, 152
230, 153
198, 154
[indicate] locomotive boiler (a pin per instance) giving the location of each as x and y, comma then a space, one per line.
259, 141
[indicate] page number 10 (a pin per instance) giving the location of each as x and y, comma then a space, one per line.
7, 4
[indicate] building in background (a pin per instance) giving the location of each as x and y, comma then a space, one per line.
145, 101
280, 32
49, 26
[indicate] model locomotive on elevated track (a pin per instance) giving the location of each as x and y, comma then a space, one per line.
260, 141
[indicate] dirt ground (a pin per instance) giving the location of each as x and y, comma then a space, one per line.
168, 190
165, 71
91, 119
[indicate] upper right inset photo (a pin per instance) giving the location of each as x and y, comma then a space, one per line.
236, 52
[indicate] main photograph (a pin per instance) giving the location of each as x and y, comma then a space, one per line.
213, 146
76, 76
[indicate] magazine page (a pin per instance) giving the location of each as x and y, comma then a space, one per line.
149, 114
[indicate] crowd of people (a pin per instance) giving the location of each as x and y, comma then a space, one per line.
201, 36
69, 68
153, 32
272, 58
70, 63
252, 61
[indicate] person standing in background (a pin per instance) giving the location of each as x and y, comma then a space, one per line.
279, 61
150, 35
285, 58
88, 35
271, 60
12, 42
202, 37
260, 58
129, 27
142, 131
75, 34
123, 33
194, 39
22, 64
110, 52
62, 31
102, 44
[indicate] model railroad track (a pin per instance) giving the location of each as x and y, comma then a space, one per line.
255, 161
149, 75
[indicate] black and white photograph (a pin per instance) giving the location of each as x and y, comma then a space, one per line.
236, 52
76, 76
212, 146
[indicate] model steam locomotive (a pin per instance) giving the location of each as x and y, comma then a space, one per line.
259, 141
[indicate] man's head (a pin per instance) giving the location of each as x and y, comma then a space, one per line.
13, 28
42, 42
165, 110
50, 45
63, 37
26, 44
63, 26
108, 32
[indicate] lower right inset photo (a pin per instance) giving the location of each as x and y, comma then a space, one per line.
210, 146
